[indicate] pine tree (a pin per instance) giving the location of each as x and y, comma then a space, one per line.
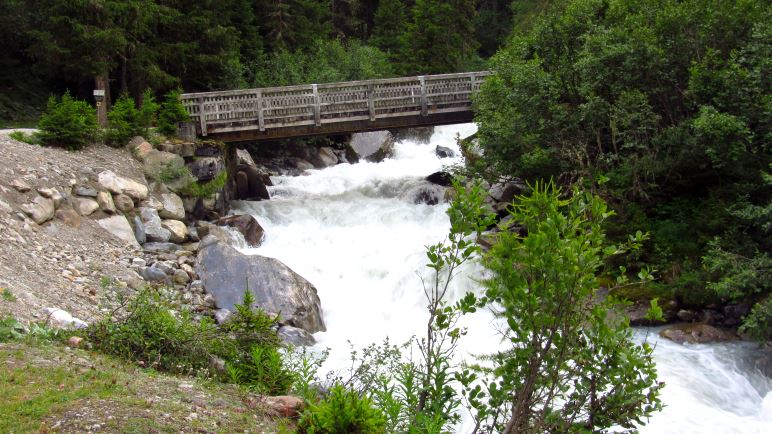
389, 25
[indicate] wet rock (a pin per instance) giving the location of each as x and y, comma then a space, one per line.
696, 334
69, 216
105, 201
734, 313
712, 317
247, 225
324, 157
62, 319
685, 315
119, 227
84, 191
226, 274
440, 178
153, 228
20, 186
296, 336
415, 134
171, 207
444, 152
178, 232
251, 183
373, 146
123, 203
84, 206
40, 210
121, 185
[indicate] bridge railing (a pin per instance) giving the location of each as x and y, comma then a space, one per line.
317, 104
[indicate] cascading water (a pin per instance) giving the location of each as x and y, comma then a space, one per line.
357, 234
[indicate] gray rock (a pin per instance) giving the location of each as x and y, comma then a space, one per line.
105, 201
506, 191
444, 152
206, 168
84, 206
196, 286
171, 207
40, 210
324, 157
374, 145
685, 315
156, 161
138, 262
20, 186
245, 158
152, 274
5, 208
123, 203
226, 274
247, 225
180, 277
156, 247
222, 315
120, 228
139, 230
296, 336
121, 185
84, 191
178, 232
152, 202
153, 228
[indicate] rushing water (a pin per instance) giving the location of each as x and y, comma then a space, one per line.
355, 232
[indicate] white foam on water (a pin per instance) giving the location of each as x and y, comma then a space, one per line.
354, 231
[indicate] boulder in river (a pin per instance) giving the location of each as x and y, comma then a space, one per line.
373, 146
696, 334
226, 273
247, 225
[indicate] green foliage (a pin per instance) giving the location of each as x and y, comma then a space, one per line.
342, 411
208, 188
21, 136
148, 110
758, 324
543, 286
171, 113
173, 171
11, 329
148, 329
68, 123
7, 295
124, 122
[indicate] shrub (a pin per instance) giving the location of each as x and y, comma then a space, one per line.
342, 411
148, 329
124, 122
208, 188
171, 113
68, 123
148, 110
21, 136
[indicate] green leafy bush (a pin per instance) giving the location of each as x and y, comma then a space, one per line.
21, 136
68, 123
171, 113
208, 188
124, 122
148, 329
342, 411
758, 323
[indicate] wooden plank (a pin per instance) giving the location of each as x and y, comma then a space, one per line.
202, 115
424, 111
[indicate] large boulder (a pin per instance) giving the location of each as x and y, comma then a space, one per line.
226, 274
696, 334
506, 191
178, 232
122, 185
157, 162
251, 183
40, 210
84, 205
373, 146
323, 157
105, 201
120, 228
171, 207
206, 168
444, 152
153, 229
247, 225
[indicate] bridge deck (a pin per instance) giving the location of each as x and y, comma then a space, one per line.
330, 108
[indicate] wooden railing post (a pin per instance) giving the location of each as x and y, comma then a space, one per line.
260, 119
202, 115
370, 101
424, 105
317, 114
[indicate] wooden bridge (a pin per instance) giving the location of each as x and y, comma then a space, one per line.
333, 108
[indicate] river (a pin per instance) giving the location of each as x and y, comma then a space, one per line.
354, 231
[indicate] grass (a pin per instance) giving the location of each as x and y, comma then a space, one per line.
7, 295
48, 387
